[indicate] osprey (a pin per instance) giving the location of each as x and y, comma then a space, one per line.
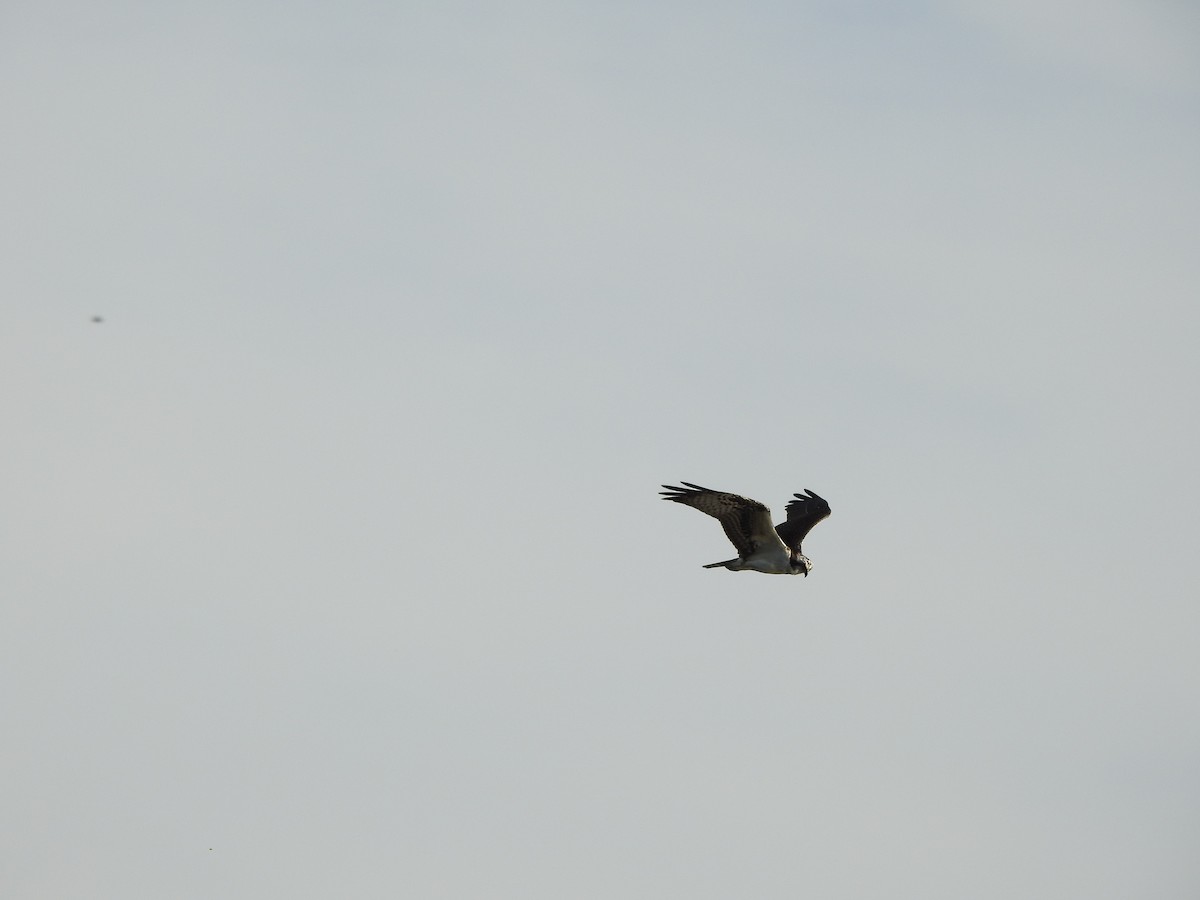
761, 546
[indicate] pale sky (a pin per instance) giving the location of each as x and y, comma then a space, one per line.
333, 563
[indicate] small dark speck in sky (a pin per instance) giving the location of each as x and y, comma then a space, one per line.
97, 319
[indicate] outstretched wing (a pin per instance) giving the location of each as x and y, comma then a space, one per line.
747, 522
802, 514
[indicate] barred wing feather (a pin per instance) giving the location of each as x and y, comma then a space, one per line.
747, 522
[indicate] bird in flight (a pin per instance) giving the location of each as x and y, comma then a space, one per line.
761, 546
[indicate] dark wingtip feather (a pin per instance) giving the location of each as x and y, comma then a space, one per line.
674, 492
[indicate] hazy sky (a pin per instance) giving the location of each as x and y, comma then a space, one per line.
333, 563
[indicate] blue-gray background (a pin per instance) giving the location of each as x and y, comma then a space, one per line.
332, 562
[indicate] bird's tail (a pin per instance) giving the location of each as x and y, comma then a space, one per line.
722, 565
